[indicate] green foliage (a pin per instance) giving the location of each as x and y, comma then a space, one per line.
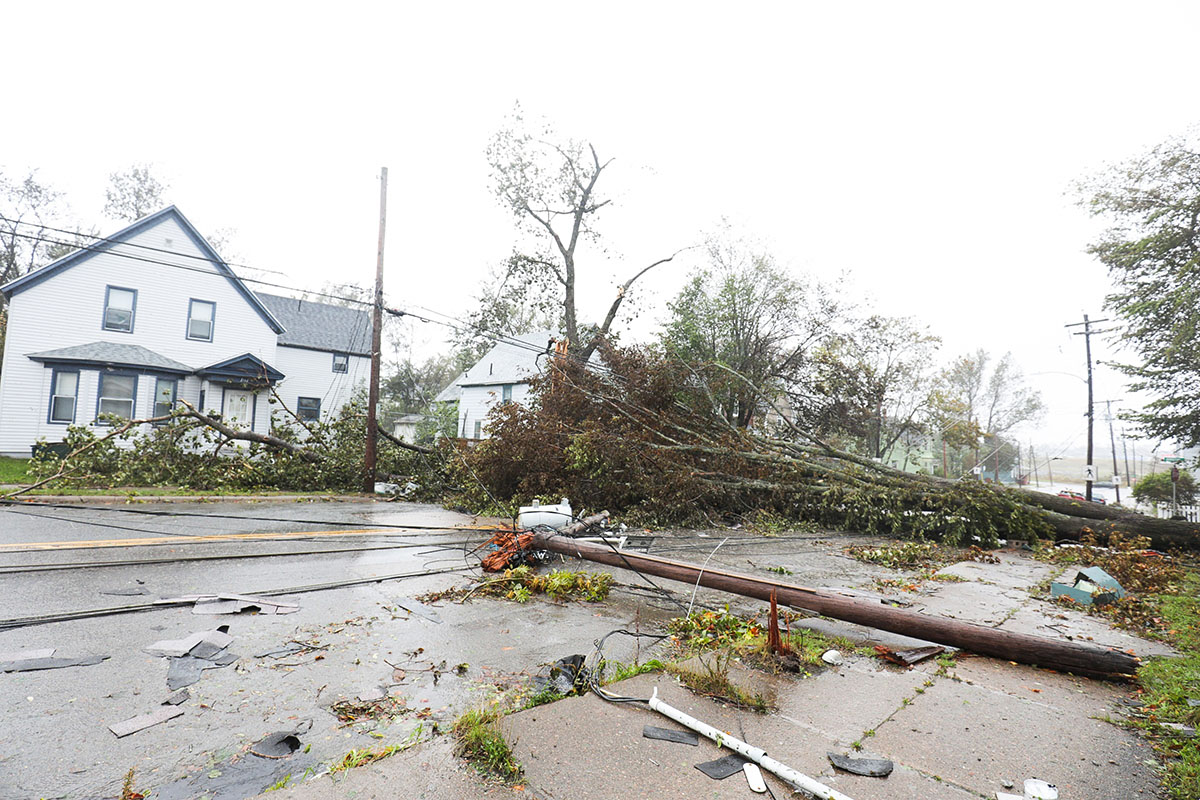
1156, 488
184, 453
640, 438
746, 313
1152, 252
522, 583
482, 743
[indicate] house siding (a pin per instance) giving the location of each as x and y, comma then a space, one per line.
310, 374
67, 310
476, 401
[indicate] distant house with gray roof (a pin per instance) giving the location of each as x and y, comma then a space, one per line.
501, 376
152, 315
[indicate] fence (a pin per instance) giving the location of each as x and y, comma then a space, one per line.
1190, 513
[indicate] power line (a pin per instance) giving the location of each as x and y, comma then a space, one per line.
123, 243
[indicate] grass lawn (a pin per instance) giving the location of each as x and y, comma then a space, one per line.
14, 470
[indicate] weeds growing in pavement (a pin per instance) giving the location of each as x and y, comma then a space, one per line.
482, 743
711, 679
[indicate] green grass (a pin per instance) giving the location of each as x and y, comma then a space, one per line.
14, 470
482, 743
1167, 684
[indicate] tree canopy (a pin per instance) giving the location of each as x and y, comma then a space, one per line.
551, 186
751, 327
134, 193
1152, 252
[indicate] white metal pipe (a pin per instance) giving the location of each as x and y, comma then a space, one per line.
755, 754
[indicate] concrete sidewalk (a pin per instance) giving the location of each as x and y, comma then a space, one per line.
967, 731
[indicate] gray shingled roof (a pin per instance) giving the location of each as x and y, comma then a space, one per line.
509, 362
118, 355
320, 326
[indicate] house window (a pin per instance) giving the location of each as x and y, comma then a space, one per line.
116, 395
341, 362
478, 429
119, 305
308, 408
63, 393
164, 396
200, 320
506, 393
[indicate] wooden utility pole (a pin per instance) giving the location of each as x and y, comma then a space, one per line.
1113, 443
1086, 333
376, 335
1081, 658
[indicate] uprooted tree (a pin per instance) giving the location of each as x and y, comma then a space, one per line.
639, 436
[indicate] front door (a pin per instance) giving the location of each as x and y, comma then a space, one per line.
239, 407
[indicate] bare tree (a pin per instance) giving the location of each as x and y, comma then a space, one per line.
134, 193
551, 188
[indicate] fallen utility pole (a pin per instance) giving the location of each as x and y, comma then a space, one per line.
1082, 659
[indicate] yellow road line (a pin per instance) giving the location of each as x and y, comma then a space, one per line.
216, 537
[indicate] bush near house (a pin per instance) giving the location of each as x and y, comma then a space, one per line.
1156, 488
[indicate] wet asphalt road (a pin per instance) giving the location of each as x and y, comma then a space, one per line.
55, 741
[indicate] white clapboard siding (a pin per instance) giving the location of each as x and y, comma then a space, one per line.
67, 309
309, 373
476, 401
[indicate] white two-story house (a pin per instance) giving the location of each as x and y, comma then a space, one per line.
152, 315
503, 375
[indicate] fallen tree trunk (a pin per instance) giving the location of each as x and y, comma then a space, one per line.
1076, 657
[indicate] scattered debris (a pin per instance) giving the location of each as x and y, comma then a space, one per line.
746, 751
1040, 790
721, 768
421, 610
186, 670
24, 655
1180, 728
833, 658
384, 707
867, 767
1093, 586
566, 675
135, 724
34, 664
555, 517
229, 604
906, 658
177, 698
280, 744
131, 592
670, 735
754, 778
204, 644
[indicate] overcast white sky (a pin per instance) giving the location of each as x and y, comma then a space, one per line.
925, 148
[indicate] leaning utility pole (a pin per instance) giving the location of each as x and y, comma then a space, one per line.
376, 336
1087, 338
